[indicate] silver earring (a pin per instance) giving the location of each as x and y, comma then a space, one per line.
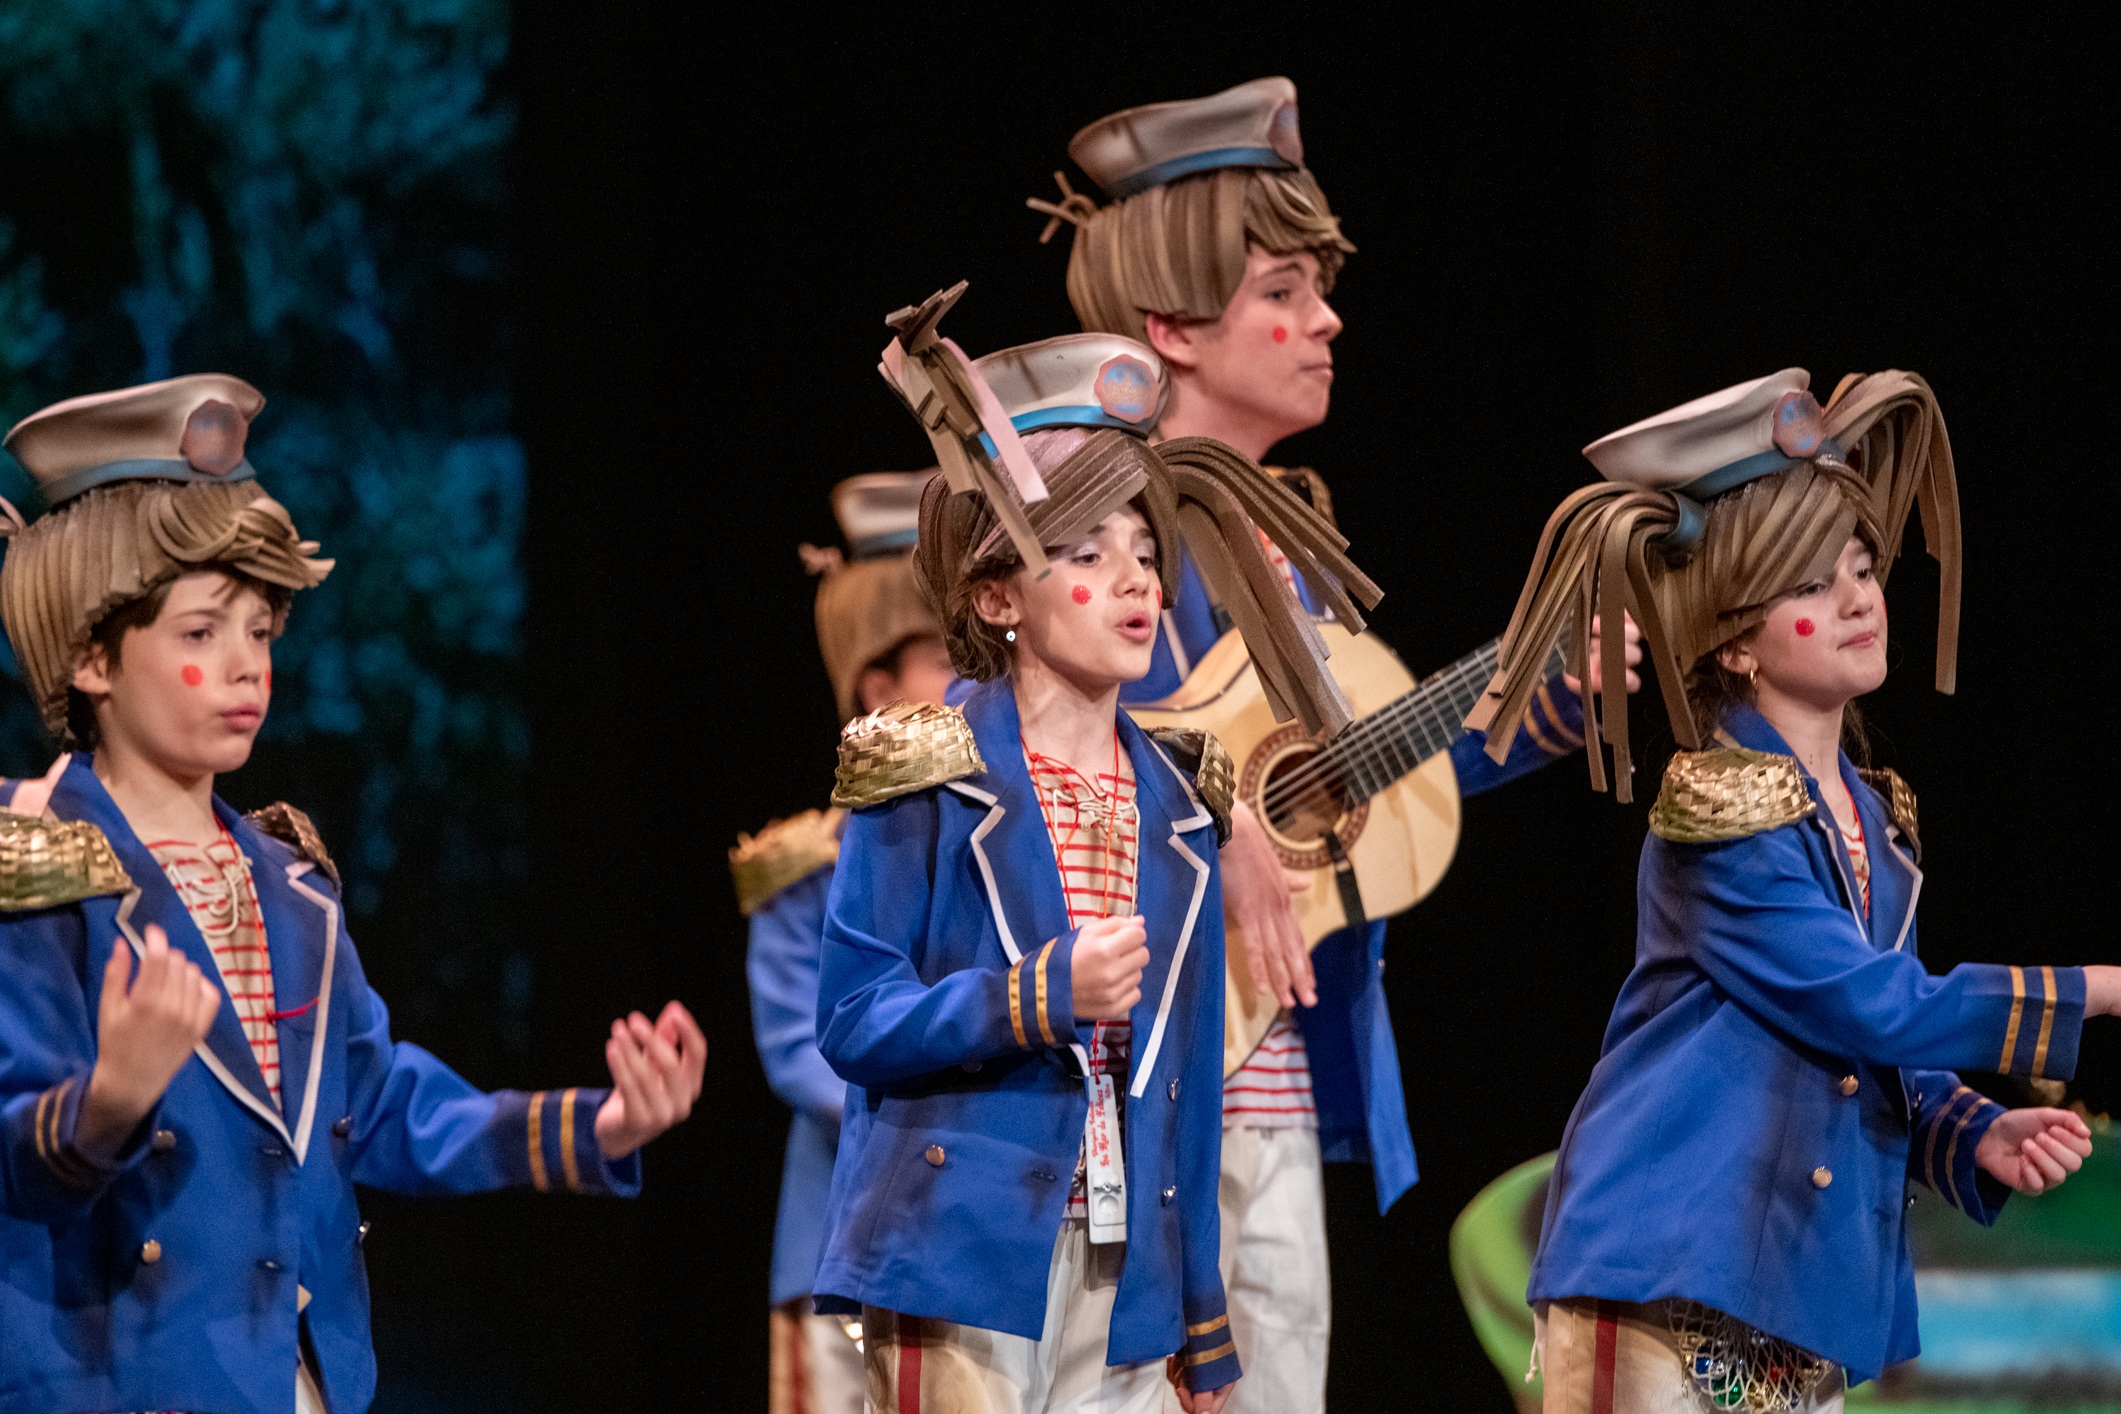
1010, 635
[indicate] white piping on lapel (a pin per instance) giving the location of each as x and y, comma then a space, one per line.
995, 811
1147, 1065
295, 872
1907, 920
212, 1062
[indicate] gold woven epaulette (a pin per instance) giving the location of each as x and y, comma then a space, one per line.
785, 851
902, 748
1198, 753
1899, 799
291, 827
44, 863
1728, 793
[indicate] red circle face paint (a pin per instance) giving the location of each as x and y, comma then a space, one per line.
192, 676
1081, 594
1281, 335
1805, 628
268, 679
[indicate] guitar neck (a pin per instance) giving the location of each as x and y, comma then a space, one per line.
1398, 737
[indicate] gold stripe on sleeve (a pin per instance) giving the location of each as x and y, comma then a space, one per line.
2010, 1036
1045, 1023
1217, 1353
567, 1163
1206, 1326
1546, 703
537, 1142
1929, 1151
1539, 738
1951, 1152
44, 1109
1016, 1004
2047, 1023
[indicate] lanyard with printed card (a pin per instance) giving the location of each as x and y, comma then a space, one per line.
1104, 1163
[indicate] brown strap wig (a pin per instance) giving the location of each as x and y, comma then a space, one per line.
1601, 553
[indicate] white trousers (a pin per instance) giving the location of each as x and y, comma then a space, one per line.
921, 1364
1630, 1366
1275, 1274
816, 1365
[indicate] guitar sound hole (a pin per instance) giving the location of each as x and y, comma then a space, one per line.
1301, 800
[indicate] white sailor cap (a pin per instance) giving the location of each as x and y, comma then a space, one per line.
182, 429
879, 512
1251, 125
1077, 380
1716, 443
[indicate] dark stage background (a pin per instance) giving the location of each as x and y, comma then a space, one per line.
1564, 223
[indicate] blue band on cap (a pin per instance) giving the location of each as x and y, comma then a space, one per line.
1082, 415
1687, 531
72, 484
1120, 188
871, 547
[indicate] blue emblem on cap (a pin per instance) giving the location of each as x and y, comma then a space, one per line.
1127, 389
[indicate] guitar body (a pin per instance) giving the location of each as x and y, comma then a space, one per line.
1399, 841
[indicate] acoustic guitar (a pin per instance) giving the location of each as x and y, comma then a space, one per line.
1371, 815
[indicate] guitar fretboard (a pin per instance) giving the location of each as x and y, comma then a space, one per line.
1395, 739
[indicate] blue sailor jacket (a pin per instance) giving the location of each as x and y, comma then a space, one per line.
1777, 1071
177, 1275
945, 1001
787, 935
1354, 1057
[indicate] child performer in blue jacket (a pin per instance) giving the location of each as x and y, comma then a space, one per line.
1022, 975
194, 1073
1724, 1228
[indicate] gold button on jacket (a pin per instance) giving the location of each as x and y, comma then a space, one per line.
1822, 1176
150, 1251
1848, 1084
935, 1155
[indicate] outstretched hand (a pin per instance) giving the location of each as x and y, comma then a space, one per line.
1256, 893
2033, 1150
146, 1027
1632, 643
655, 1077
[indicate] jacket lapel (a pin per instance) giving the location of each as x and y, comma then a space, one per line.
1011, 845
1170, 889
296, 916
1896, 881
225, 1052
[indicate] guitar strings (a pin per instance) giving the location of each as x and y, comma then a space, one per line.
1327, 773
1375, 740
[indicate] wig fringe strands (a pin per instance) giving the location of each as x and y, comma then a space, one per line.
1599, 556
120, 542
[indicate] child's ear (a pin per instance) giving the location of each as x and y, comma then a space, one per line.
1737, 656
92, 670
992, 601
1173, 339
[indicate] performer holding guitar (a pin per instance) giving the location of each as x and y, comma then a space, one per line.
1219, 250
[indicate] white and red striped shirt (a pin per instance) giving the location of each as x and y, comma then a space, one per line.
1093, 825
1859, 859
216, 887
1272, 1089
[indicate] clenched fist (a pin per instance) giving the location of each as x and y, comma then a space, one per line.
1106, 968
144, 1032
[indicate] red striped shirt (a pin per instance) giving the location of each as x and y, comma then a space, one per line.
1272, 1089
217, 890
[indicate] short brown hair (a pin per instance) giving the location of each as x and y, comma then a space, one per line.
1180, 248
108, 638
